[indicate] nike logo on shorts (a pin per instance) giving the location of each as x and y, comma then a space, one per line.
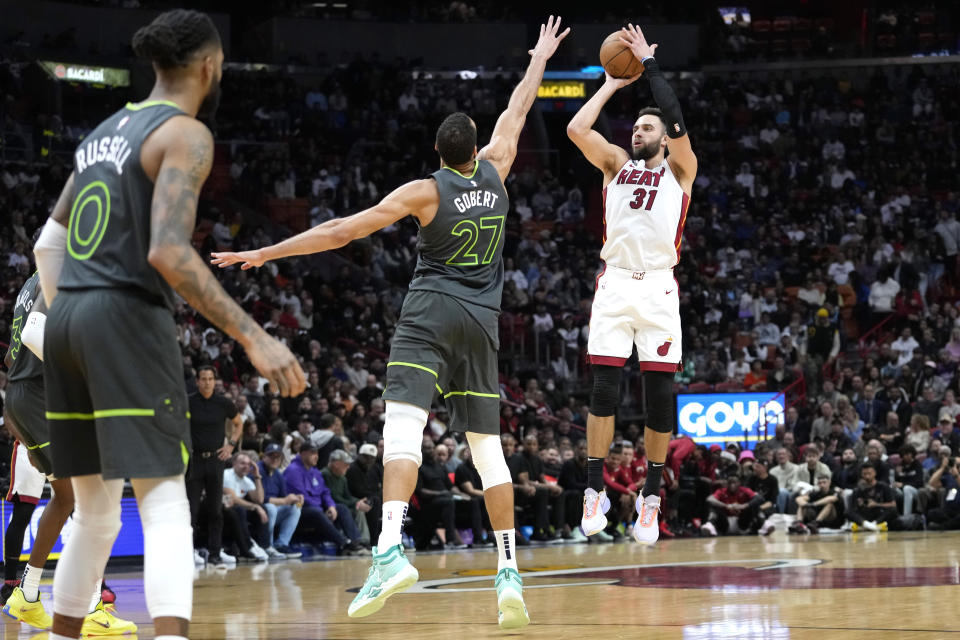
669, 291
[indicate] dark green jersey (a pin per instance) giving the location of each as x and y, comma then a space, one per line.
25, 364
460, 251
108, 237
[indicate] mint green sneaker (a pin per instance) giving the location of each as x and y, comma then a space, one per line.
511, 610
391, 573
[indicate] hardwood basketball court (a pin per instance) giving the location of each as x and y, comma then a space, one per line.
896, 585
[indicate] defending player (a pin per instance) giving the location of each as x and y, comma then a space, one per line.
646, 194
118, 244
26, 421
446, 339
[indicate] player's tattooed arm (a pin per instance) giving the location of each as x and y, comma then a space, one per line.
186, 162
502, 149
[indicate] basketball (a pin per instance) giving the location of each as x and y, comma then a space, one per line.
616, 58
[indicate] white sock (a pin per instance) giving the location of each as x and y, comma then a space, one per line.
170, 638
30, 583
57, 636
507, 546
97, 594
394, 512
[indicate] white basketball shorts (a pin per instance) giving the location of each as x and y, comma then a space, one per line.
636, 308
25, 480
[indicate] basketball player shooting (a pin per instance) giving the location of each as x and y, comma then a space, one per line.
646, 195
446, 339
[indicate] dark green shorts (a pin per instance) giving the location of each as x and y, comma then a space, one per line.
116, 401
447, 346
24, 403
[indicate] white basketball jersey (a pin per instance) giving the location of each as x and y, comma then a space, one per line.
644, 211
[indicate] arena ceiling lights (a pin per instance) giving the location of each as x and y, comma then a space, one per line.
86, 74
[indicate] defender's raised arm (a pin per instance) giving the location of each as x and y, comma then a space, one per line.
502, 149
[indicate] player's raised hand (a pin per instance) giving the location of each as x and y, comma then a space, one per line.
620, 83
632, 36
277, 364
249, 259
549, 39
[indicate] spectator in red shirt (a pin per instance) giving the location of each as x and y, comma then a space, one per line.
622, 497
735, 501
756, 380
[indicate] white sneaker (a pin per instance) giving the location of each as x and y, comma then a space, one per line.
870, 525
227, 558
767, 528
709, 529
646, 530
198, 560
257, 552
273, 554
594, 506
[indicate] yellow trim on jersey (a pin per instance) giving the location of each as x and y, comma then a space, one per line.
417, 366
472, 393
151, 103
476, 166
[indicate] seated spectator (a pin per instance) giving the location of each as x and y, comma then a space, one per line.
821, 507
947, 477
361, 482
282, 507
335, 476
733, 502
467, 481
873, 506
786, 474
948, 433
908, 479
326, 439
766, 486
320, 513
918, 434
434, 494
527, 469
806, 474
756, 379
244, 518
573, 480
622, 498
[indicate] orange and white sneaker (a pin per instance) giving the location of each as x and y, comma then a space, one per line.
594, 506
646, 530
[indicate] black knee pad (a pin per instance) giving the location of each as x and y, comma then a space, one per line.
658, 393
606, 390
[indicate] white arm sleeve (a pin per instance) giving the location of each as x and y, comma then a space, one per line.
49, 252
31, 335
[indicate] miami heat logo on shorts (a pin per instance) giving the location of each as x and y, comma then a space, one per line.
663, 349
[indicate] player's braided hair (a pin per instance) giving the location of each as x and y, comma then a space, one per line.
174, 37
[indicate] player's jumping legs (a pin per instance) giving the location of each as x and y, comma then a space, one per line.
498, 495
658, 391
80, 569
167, 552
600, 425
391, 571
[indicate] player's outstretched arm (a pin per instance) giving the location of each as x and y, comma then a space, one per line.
415, 198
598, 151
502, 149
682, 160
187, 157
